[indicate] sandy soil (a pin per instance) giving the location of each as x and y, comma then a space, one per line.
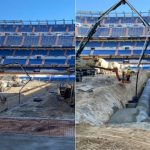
113, 137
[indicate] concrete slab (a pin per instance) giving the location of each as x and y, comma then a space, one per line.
29, 142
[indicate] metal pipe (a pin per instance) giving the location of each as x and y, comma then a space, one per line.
143, 105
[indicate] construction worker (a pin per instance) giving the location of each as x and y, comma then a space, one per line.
126, 74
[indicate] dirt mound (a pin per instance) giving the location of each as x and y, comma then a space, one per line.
95, 104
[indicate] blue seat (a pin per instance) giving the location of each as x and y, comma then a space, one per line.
7, 28
41, 28
94, 44
25, 28
86, 52
20, 61
48, 40
59, 28
5, 52
140, 43
124, 52
127, 43
56, 52
137, 52
31, 41
39, 52
14, 40
2, 38
110, 44
104, 52
35, 61
22, 52
71, 62
70, 52
66, 41
55, 61
147, 52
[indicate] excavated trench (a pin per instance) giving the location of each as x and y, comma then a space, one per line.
114, 103
137, 110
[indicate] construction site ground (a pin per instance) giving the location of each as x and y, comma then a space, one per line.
97, 99
113, 137
33, 124
49, 107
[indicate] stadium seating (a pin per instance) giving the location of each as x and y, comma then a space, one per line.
14, 40
39, 52
6, 52
86, 52
37, 45
137, 52
55, 61
124, 52
66, 41
104, 32
19, 61
118, 32
56, 53
135, 32
25, 28
41, 28
87, 19
94, 44
22, 52
71, 62
70, 52
7, 28
48, 40
31, 41
104, 52
2, 38
110, 44
35, 61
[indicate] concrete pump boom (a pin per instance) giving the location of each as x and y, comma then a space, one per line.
91, 32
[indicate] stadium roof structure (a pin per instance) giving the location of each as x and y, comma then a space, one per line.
112, 14
36, 22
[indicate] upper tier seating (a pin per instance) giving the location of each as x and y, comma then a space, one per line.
66, 40
31, 41
111, 20
14, 40
37, 28
48, 40
9, 61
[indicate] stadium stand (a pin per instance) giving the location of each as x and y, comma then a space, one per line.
120, 37
44, 45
